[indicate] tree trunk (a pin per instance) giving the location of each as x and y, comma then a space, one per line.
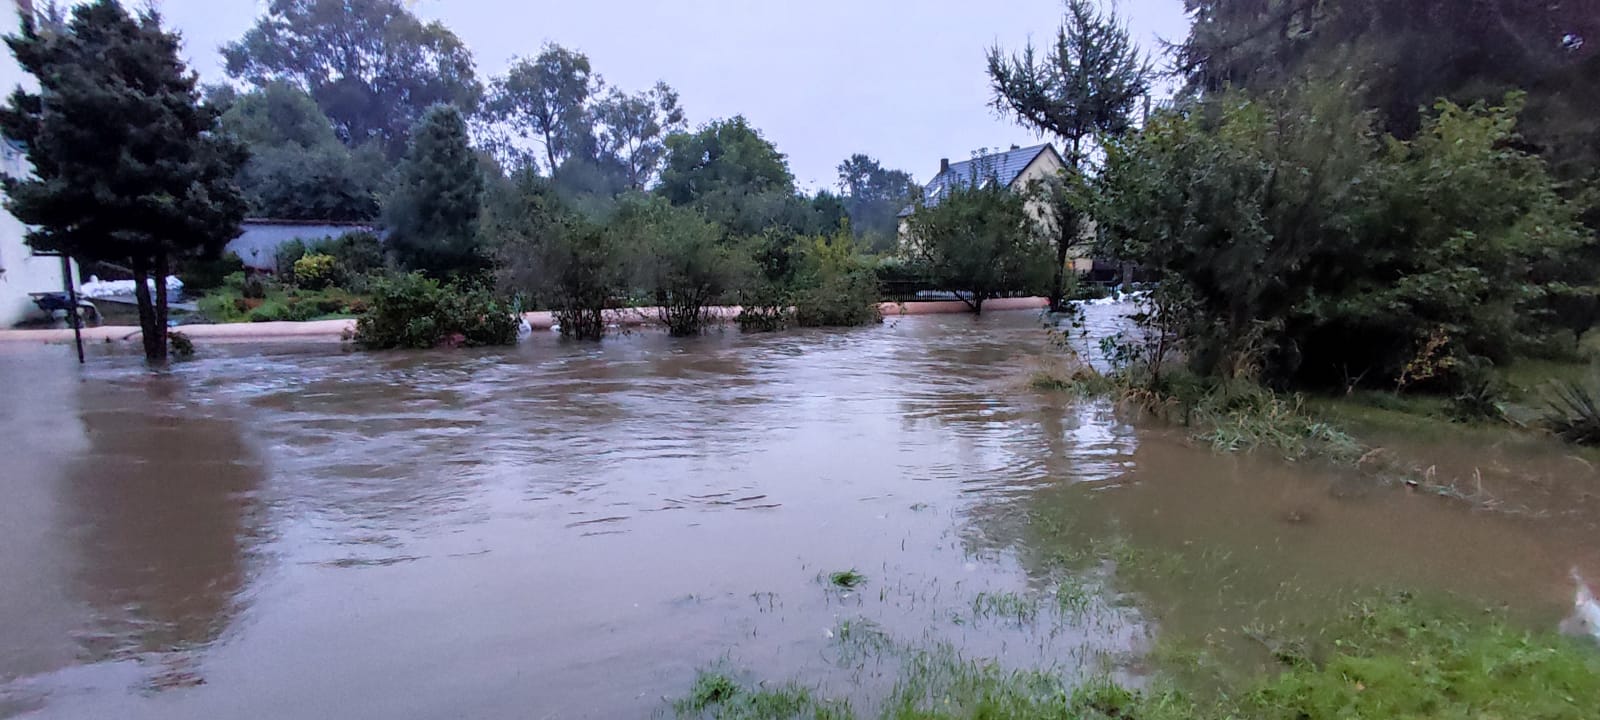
154, 338
977, 304
163, 269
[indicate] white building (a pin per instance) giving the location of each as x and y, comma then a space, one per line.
21, 272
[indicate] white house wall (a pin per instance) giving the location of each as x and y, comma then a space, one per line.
20, 271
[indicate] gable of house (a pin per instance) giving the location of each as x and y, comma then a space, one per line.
1009, 168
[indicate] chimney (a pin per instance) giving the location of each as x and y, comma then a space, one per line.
944, 165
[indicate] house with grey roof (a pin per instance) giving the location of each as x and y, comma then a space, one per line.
1015, 169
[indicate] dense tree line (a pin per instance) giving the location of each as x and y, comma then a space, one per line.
1353, 193
573, 193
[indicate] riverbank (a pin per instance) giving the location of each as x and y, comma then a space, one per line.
336, 330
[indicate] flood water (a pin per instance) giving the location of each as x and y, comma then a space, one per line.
566, 530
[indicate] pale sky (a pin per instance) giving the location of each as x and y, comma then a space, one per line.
901, 80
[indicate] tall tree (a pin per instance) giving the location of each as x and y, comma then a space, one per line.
372, 66
1089, 83
728, 171
633, 130
979, 240
1400, 57
433, 213
129, 167
298, 169
548, 98
874, 197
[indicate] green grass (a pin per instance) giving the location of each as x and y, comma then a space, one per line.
717, 696
847, 579
1387, 657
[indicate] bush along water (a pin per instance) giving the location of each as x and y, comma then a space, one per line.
413, 311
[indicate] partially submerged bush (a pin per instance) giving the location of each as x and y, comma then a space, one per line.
765, 308
836, 285
180, 344
413, 311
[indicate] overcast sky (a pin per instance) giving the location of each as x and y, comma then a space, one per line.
901, 80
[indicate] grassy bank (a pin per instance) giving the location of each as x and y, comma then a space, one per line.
1389, 657
1359, 429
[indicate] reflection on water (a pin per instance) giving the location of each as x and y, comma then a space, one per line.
130, 536
571, 530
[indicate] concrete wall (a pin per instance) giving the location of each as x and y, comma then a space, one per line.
259, 243
20, 272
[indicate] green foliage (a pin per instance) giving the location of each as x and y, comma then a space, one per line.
357, 253
413, 311
1087, 85
285, 257
575, 266
873, 198
1387, 658
1572, 412
373, 68
740, 181
548, 97
1395, 659
1402, 59
127, 165
298, 168
258, 299
685, 264
834, 285
434, 212
978, 239
200, 274
847, 579
1090, 82
633, 130
1291, 244
717, 696
317, 271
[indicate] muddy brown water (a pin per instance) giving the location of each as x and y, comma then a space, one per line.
569, 530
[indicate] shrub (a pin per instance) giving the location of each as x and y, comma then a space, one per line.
358, 253
1572, 413
199, 275
413, 311
1300, 236
180, 344
253, 288
316, 271
765, 308
287, 255
837, 285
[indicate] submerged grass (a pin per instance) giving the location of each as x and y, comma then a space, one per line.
847, 579
718, 696
1387, 658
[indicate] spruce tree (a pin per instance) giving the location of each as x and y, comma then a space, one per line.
129, 168
433, 213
